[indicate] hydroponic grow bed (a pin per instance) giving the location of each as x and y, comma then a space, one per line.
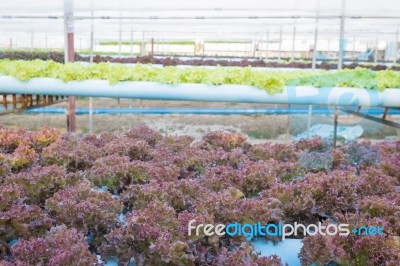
54, 209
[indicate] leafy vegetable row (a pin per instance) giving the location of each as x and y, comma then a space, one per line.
26, 54
54, 206
271, 81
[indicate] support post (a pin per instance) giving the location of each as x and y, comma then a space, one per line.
152, 46
131, 43
309, 121
266, 46
14, 101
91, 61
288, 127
314, 55
385, 113
24, 101
280, 44
69, 58
294, 40
396, 47
31, 42
91, 42
376, 49
46, 45
120, 42
341, 40
335, 126
4, 102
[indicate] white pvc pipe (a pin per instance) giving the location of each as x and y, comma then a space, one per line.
304, 95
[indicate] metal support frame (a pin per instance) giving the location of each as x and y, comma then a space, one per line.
335, 126
46, 43
385, 113
26, 102
152, 47
288, 125
375, 119
131, 43
280, 44
266, 46
294, 40
91, 61
69, 55
396, 47
5, 102
314, 55
120, 39
32, 43
376, 48
341, 40
309, 121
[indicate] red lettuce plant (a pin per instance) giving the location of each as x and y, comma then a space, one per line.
314, 144
361, 155
296, 204
86, 209
220, 139
145, 133
350, 250
11, 194
244, 255
39, 183
191, 162
277, 151
136, 149
175, 143
235, 158
156, 222
101, 140
22, 157
373, 181
116, 172
71, 152
219, 178
10, 139
23, 220
316, 161
60, 246
5, 166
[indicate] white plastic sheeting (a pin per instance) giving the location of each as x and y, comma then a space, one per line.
207, 18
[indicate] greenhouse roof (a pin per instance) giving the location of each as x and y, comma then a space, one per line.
180, 19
